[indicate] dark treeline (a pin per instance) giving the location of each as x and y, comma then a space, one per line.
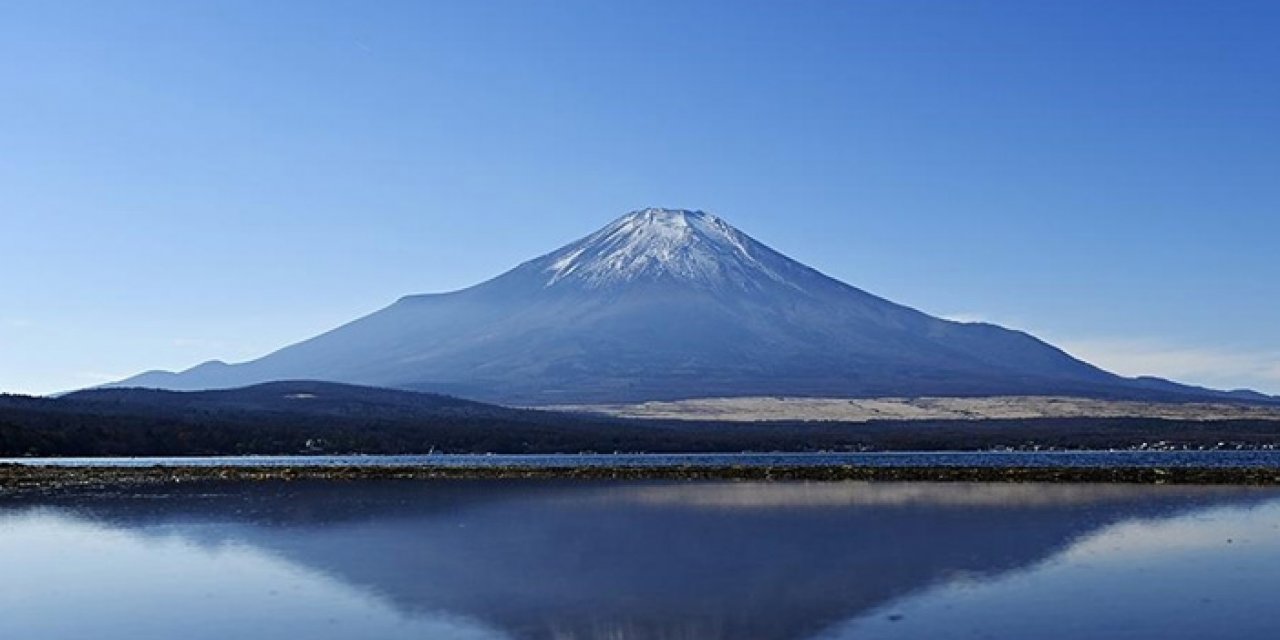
290, 418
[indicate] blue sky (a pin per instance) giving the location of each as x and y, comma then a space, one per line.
181, 181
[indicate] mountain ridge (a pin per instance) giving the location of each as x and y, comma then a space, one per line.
667, 304
309, 417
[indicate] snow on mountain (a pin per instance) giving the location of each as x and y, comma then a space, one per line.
668, 304
689, 246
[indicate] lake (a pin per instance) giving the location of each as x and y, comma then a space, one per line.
558, 559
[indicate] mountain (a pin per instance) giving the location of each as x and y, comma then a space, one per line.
670, 304
292, 417
307, 417
301, 397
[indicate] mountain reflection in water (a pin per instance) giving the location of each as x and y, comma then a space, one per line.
568, 560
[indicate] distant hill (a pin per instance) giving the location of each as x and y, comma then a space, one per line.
279, 417
670, 304
306, 397
321, 417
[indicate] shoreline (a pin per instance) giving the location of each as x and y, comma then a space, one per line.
21, 478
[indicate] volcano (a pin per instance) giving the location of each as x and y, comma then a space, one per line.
666, 304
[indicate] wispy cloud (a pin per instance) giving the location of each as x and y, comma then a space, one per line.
1214, 366
198, 343
1217, 367
967, 317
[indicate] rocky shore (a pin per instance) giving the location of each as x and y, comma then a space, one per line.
15, 477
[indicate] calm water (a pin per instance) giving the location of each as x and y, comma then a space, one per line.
1213, 459
666, 560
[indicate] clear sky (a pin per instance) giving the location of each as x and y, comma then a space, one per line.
181, 181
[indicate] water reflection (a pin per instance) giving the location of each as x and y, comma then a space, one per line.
67, 577
489, 559
1210, 574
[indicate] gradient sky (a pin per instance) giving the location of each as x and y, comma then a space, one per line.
181, 181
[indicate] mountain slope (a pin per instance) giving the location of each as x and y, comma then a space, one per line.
297, 397
668, 304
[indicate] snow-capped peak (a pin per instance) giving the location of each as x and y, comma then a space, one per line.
670, 244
